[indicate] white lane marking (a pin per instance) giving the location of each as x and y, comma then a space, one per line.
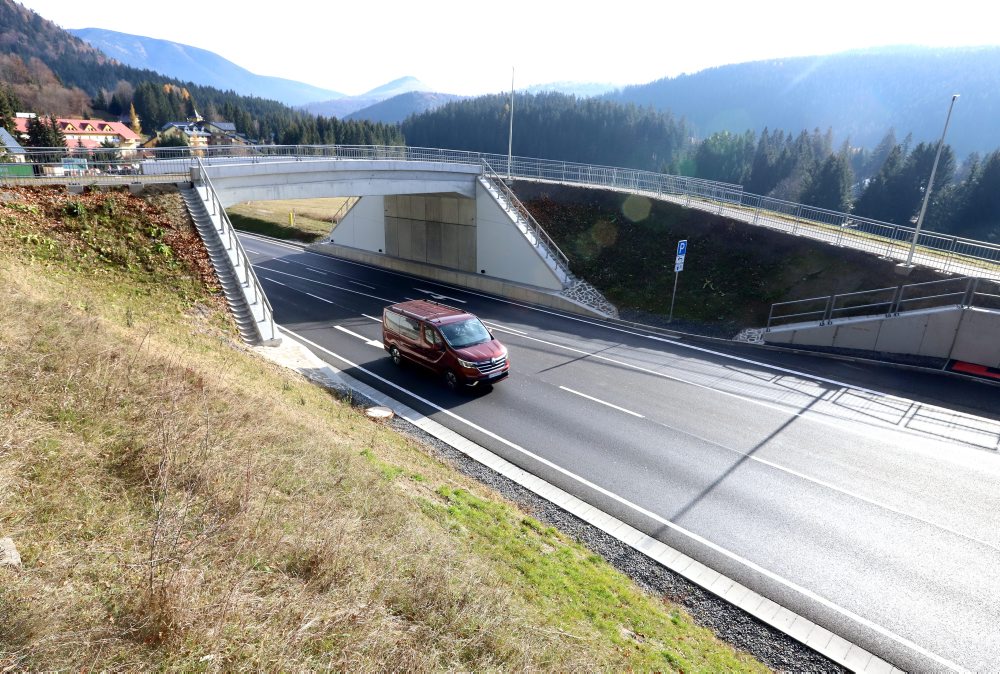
369, 342
497, 326
653, 516
278, 259
330, 285
271, 280
832, 487
333, 273
322, 299
837, 422
372, 317
603, 402
669, 340
439, 297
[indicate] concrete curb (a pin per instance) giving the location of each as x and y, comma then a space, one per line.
294, 355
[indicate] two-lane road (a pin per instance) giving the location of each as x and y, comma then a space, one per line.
874, 514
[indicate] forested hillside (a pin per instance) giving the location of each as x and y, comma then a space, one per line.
860, 94
192, 64
554, 126
42, 55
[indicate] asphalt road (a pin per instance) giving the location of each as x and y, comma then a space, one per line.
864, 498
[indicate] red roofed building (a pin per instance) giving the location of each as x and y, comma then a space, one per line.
90, 133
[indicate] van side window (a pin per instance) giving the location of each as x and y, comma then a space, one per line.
404, 325
430, 336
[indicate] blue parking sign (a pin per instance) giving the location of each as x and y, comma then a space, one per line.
682, 247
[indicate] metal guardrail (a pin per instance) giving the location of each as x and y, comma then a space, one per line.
228, 231
942, 251
967, 291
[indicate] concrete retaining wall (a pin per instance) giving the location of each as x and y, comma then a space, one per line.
957, 333
502, 248
436, 229
485, 283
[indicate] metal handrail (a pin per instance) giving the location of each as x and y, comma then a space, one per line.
966, 297
241, 256
887, 239
536, 229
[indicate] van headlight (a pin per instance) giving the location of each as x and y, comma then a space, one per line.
467, 364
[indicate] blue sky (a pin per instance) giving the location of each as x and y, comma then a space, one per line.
469, 48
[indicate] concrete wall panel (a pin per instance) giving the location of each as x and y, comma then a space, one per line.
902, 334
392, 236
467, 248
939, 335
404, 237
449, 210
467, 212
433, 242
977, 339
363, 226
861, 335
433, 210
418, 240
450, 235
503, 251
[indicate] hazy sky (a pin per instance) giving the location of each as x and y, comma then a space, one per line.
469, 47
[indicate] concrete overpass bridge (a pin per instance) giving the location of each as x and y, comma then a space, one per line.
451, 216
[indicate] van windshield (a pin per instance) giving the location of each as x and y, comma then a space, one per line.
465, 333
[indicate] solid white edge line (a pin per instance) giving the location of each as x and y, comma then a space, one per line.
602, 402
656, 518
372, 317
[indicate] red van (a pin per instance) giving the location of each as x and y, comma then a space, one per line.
450, 342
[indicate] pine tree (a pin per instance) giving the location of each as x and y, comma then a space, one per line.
134, 120
9, 105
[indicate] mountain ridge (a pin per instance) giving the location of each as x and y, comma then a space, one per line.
201, 66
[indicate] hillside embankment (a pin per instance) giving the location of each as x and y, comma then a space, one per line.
625, 246
178, 503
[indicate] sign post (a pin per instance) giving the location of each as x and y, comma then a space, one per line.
682, 246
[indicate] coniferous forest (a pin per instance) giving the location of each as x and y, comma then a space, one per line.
50, 72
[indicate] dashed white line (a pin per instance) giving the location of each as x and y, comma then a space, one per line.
603, 402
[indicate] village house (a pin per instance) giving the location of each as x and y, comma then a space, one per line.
89, 134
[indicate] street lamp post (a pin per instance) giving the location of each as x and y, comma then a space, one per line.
930, 184
510, 136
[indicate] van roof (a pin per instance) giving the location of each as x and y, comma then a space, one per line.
429, 311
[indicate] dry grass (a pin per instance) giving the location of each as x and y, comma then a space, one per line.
303, 219
181, 504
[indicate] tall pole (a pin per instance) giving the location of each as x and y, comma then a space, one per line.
510, 136
930, 184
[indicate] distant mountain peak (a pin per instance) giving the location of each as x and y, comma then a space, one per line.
403, 85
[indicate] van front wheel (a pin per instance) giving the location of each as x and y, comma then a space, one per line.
397, 358
451, 380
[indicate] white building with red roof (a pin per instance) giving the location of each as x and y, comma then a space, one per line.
90, 133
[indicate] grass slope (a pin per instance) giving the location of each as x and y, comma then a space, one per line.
181, 504
625, 246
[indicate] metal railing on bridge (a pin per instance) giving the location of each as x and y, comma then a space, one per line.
948, 253
891, 301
